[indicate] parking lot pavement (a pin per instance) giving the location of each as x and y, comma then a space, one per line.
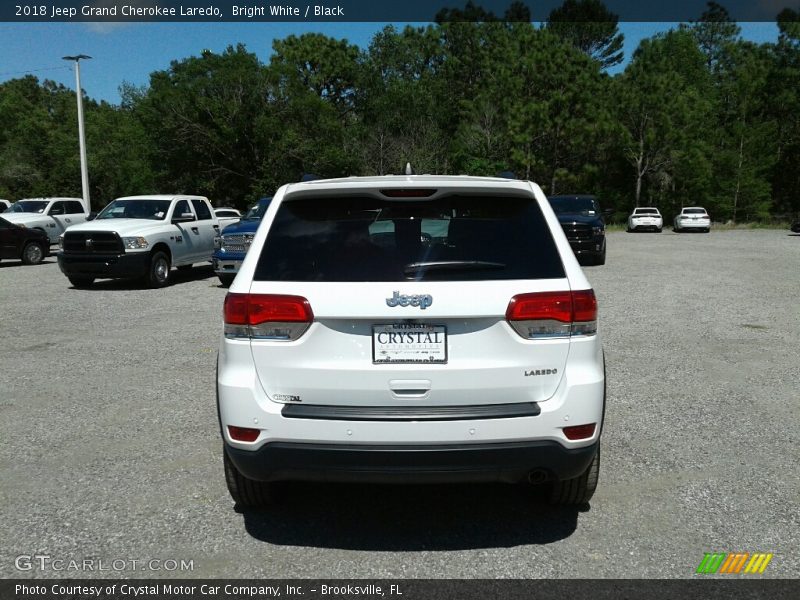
110, 447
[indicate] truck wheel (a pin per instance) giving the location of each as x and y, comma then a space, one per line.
81, 281
578, 490
226, 280
245, 492
600, 259
158, 273
33, 253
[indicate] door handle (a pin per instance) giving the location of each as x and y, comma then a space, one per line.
68, 220
196, 230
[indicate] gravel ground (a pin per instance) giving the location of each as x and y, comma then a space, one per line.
110, 449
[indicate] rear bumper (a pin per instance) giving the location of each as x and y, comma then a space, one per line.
694, 224
508, 462
114, 266
645, 226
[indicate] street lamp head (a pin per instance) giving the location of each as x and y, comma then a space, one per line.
76, 58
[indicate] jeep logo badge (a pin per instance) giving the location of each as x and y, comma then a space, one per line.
421, 300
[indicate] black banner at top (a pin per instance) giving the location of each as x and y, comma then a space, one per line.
354, 10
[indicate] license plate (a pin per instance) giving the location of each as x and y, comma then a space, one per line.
409, 343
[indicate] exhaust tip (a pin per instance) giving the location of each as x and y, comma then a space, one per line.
537, 476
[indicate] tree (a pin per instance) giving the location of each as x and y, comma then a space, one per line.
662, 105
591, 28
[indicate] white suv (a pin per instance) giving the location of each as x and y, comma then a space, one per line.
411, 328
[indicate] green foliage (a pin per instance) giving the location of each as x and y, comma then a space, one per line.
699, 116
591, 28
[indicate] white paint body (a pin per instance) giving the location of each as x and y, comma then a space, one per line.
331, 364
56, 216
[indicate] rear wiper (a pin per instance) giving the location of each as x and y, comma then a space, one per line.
451, 265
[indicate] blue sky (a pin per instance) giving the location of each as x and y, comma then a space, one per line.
130, 52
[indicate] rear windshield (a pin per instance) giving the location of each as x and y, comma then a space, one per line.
694, 211
646, 211
455, 238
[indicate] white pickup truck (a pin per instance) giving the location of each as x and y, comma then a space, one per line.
140, 237
51, 215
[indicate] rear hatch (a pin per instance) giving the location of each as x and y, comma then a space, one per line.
409, 291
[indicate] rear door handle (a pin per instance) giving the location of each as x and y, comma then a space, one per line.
68, 220
196, 230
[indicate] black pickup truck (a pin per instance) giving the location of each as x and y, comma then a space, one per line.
582, 221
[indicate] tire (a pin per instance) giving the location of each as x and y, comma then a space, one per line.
247, 493
81, 281
226, 280
33, 253
158, 271
579, 490
600, 259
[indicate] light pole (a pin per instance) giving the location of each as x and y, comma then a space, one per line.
81, 133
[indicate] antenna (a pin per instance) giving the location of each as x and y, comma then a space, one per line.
409, 170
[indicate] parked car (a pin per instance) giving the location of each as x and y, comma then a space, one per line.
140, 237
692, 218
4, 204
411, 328
230, 248
645, 219
582, 220
21, 243
50, 215
227, 216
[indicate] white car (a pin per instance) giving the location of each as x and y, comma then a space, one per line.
692, 218
411, 329
4, 204
140, 237
50, 215
227, 216
645, 219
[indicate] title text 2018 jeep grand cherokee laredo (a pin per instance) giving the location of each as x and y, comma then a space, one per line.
140, 236
415, 328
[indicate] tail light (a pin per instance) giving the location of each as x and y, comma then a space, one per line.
579, 432
266, 316
553, 314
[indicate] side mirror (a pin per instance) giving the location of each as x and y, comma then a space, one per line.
91, 216
183, 218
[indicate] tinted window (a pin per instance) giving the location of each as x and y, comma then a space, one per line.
257, 211
201, 210
646, 211
136, 209
28, 206
181, 208
58, 208
455, 238
694, 211
73, 207
574, 204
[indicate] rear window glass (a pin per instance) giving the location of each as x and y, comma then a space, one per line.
455, 238
646, 211
694, 211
